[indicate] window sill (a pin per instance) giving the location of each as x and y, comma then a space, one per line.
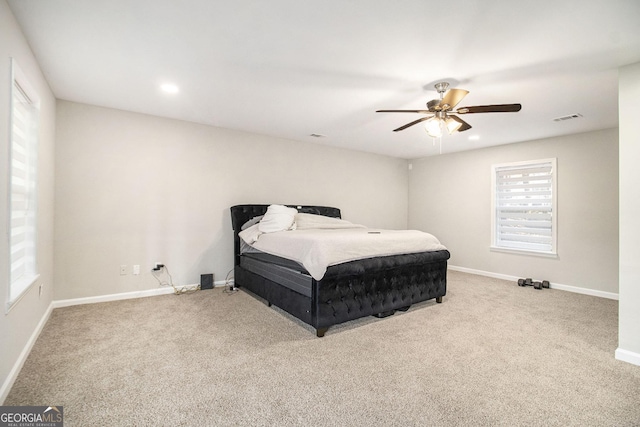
523, 252
25, 287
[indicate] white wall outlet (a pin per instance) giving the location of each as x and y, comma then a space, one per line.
123, 269
136, 269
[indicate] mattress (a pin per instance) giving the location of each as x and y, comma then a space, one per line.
288, 273
274, 259
319, 248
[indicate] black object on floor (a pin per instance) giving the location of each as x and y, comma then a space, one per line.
206, 281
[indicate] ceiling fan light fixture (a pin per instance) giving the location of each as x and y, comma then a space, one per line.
433, 127
445, 116
452, 125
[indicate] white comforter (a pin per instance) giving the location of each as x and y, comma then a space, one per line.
317, 249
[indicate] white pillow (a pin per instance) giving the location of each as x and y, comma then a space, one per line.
278, 218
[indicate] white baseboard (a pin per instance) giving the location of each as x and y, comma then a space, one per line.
125, 295
559, 286
628, 356
13, 374
112, 297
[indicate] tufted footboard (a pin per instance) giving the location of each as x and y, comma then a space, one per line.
378, 286
375, 286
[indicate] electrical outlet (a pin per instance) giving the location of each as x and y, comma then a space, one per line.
136, 269
123, 269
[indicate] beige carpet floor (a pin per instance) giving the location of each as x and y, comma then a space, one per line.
491, 354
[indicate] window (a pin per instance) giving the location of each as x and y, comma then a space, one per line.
22, 182
524, 212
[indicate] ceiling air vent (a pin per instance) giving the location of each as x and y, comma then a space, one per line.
569, 117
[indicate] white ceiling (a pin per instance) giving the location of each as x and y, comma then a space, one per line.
290, 68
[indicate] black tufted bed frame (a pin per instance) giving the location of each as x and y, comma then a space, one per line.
375, 286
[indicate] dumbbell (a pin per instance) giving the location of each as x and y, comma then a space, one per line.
540, 285
525, 282
536, 284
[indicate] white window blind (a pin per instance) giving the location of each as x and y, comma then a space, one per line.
524, 206
23, 183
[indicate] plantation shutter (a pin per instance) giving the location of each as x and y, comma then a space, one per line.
524, 206
23, 155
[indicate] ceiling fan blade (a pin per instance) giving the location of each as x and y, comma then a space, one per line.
465, 125
502, 108
404, 111
415, 122
452, 97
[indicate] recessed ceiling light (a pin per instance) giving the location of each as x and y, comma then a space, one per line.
474, 137
169, 88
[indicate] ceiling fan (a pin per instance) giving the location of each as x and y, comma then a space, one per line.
443, 114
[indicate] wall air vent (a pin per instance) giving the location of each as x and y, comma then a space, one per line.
569, 117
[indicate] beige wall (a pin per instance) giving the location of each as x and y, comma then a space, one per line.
450, 196
17, 326
629, 314
136, 189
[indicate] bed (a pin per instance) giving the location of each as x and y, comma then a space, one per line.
377, 286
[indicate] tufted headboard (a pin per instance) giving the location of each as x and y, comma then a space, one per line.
243, 213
